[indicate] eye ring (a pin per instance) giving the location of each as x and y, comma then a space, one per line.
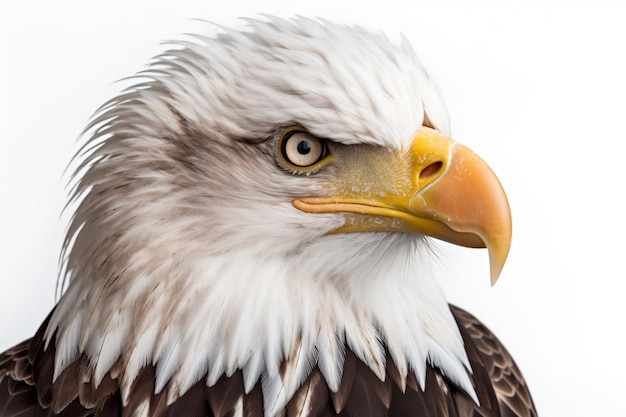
300, 150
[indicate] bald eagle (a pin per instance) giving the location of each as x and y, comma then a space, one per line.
251, 238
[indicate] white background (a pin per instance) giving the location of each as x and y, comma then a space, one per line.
538, 90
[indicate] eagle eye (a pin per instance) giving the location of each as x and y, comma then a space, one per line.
301, 150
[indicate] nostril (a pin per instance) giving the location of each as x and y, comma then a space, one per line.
430, 170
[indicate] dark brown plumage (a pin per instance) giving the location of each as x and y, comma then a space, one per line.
26, 388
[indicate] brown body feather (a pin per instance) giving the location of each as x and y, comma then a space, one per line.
26, 388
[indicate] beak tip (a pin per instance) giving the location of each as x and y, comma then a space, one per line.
497, 259
494, 278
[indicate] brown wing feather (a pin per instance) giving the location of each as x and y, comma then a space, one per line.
340, 397
369, 396
311, 399
494, 369
17, 394
224, 394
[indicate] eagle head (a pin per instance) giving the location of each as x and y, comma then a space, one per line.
261, 201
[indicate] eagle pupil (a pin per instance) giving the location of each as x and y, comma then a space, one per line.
304, 148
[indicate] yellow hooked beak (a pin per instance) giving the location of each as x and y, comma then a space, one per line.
437, 188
